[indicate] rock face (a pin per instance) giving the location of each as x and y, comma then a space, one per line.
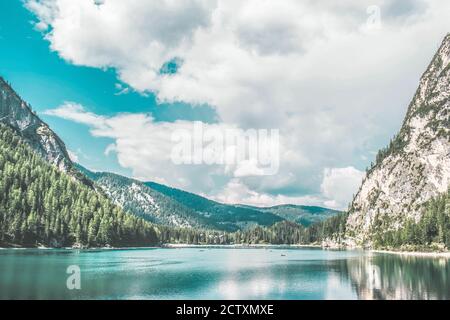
18, 114
416, 165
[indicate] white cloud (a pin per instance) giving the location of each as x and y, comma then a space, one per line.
146, 146
76, 112
140, 143
236, 192
339, 185
336, 89
248, 168
45, 10
86, 33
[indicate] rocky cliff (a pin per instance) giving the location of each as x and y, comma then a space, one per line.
415, 167
18, 114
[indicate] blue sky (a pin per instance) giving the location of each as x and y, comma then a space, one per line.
46, 81
123, 76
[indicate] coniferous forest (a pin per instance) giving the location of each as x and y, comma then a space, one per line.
41, 205
431, 232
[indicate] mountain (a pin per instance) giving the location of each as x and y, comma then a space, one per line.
415, 168
41, 205
304, 215
173, 207
134, 196
221, 215
18, 114
177, 208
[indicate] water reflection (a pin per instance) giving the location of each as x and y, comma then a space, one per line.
223, 274
384, 276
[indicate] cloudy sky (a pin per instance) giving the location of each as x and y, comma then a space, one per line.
115, 78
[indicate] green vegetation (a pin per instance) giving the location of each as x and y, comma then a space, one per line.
216, 215
146, 203
284, 232
167, 206
41, 205
432, 232
395, 146
304, 215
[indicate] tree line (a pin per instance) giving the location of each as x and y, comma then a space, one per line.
432, 231
284, 232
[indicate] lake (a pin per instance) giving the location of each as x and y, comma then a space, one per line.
222, 273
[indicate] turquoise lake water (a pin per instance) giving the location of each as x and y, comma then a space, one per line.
222, 273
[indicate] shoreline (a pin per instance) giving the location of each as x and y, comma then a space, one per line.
239, 246
175, 246
425, 254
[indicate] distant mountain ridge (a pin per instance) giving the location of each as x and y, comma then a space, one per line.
173, 207
222, 214
304, 215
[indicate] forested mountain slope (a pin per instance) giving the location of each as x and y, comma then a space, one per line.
139, 199
304, 215
40, 204
223, 216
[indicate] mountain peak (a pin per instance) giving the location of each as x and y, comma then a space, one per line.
428, 91
415, 167
17, 114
